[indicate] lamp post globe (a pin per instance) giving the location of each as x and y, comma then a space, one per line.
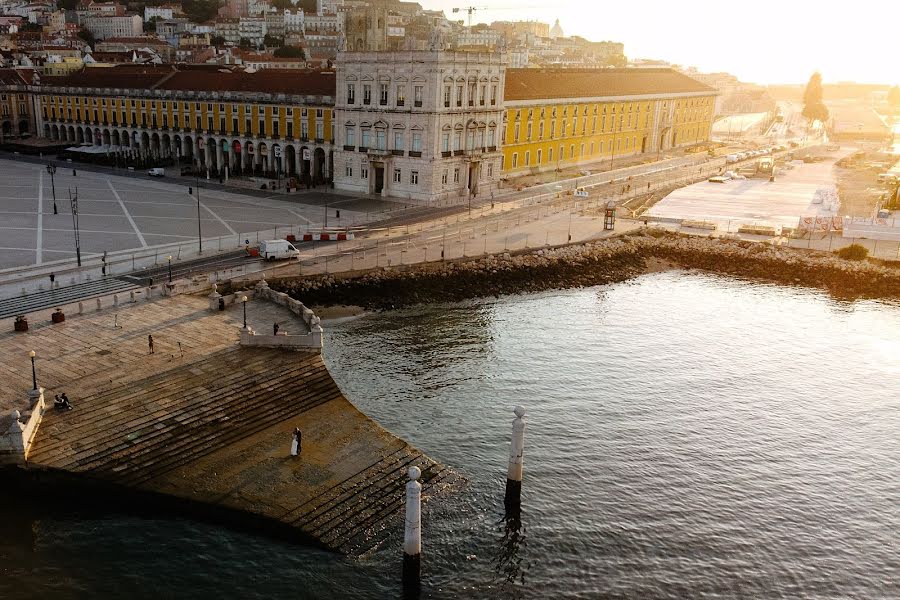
170, 269
33, 372
244, 302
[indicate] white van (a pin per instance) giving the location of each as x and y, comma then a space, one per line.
156, 172
276, 249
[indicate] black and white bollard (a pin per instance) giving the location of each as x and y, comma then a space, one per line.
514, 474
412, 539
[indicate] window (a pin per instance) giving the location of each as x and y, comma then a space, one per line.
444, 178
538, 157
528, 132
493, 95
380, 139
275, 130
456, 175
401, 95
367, 94
366, 138
397, 175
471, 94
304, 129
350, 136
398, 140
481, 95
290, 128
445, 142
262, 127
490, 171
527, 158
516, 133
541, 130
320, 131
418, 92
351, 93
319, 113
414, 177
515, 160
416, 141
304, 112
364, 170
459, 95
446, 95
383, 99
491, 133
348, 169
457, 141
552, 129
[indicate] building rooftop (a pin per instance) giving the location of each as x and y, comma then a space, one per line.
201, 78
535, 84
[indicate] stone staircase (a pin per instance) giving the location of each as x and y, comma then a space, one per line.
211, 429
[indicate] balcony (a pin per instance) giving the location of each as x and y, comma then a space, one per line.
349, 148
397, 152
363, 149
401, 102
415, 153
417, 104
458, 152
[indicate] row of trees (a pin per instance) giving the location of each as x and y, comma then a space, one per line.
269, 41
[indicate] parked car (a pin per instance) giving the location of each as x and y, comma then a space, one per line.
156, 172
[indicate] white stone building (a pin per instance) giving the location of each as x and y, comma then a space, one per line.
103, 27
419, 125
165, 11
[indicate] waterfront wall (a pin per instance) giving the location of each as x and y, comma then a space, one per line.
18, 430
602, 262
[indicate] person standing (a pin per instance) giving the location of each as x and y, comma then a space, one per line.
275, 329
52, 279
295, 444
150, 342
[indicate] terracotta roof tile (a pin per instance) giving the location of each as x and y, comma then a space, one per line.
534, 84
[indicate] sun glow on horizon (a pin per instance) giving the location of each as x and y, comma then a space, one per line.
766, 43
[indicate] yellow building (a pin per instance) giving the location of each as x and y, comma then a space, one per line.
565, 117
16, 113
216, 119
62, 65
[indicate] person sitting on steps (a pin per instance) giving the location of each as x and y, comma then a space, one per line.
62, 402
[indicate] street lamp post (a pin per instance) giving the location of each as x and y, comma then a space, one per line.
244, 302
170, 269
33, 372
199, 231
73, 199
51, 169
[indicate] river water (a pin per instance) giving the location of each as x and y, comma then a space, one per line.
689, 436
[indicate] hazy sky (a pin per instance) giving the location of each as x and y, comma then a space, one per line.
764, 42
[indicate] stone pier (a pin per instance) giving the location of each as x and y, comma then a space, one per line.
208, 420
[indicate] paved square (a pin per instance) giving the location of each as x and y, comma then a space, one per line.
753, 201
125, 213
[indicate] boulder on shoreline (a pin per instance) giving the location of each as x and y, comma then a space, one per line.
595, 263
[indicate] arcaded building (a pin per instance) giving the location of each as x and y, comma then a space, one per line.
427, 126
564, 117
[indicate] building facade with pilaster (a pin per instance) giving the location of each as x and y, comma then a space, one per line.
421, 125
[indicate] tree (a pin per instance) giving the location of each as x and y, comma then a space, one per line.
245, 44
282, 4
273, 41
814, 108
217, 40
87, 36
150, 26
31, 27
288, 52
200, 11
894, 97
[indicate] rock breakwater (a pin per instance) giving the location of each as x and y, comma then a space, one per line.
594, 263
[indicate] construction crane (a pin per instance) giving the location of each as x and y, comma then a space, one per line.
470, 10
